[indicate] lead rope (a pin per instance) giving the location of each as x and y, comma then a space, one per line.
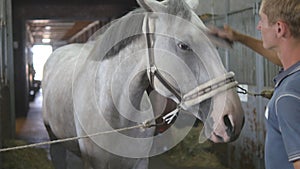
146, 124
265, 93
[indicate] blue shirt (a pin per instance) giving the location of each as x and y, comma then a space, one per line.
283, 121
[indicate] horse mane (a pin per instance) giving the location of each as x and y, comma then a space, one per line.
129, 25
114, 36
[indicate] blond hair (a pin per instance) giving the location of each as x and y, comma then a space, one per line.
287, 11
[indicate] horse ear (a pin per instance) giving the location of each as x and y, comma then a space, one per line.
151, 5
194, 4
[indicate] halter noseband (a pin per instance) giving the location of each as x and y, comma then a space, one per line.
195, 96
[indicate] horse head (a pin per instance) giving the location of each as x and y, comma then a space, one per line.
184, 62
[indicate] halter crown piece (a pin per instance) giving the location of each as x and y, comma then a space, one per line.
197, 95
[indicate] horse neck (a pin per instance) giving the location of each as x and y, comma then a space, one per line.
131, 69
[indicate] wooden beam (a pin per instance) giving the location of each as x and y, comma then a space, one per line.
79, 25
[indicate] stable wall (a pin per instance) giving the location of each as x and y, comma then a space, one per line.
7, 105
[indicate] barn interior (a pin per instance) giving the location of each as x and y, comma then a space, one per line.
54, 23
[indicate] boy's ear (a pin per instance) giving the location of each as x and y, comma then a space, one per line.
282, 29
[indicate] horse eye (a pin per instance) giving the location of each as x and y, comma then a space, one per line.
184, 46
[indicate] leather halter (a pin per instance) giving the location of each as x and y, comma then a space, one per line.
195, 96
154, 72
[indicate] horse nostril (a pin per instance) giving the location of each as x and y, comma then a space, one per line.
229, 125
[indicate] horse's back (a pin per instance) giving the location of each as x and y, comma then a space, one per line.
57, 92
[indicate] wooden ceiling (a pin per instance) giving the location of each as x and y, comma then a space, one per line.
60, 20
57, 31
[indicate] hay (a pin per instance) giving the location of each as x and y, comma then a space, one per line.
31, 158
189, 153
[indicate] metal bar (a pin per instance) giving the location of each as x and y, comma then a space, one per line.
1, 137
10, 65
227, 21
2, 27
5, 54
260, 85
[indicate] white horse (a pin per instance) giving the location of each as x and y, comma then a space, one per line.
101, 86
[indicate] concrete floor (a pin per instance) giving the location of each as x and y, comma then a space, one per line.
32, 130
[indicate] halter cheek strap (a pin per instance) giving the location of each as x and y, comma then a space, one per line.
153, 72
150, 43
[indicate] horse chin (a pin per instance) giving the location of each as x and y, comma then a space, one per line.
219, 134
216, 138
222, 136
222, 139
